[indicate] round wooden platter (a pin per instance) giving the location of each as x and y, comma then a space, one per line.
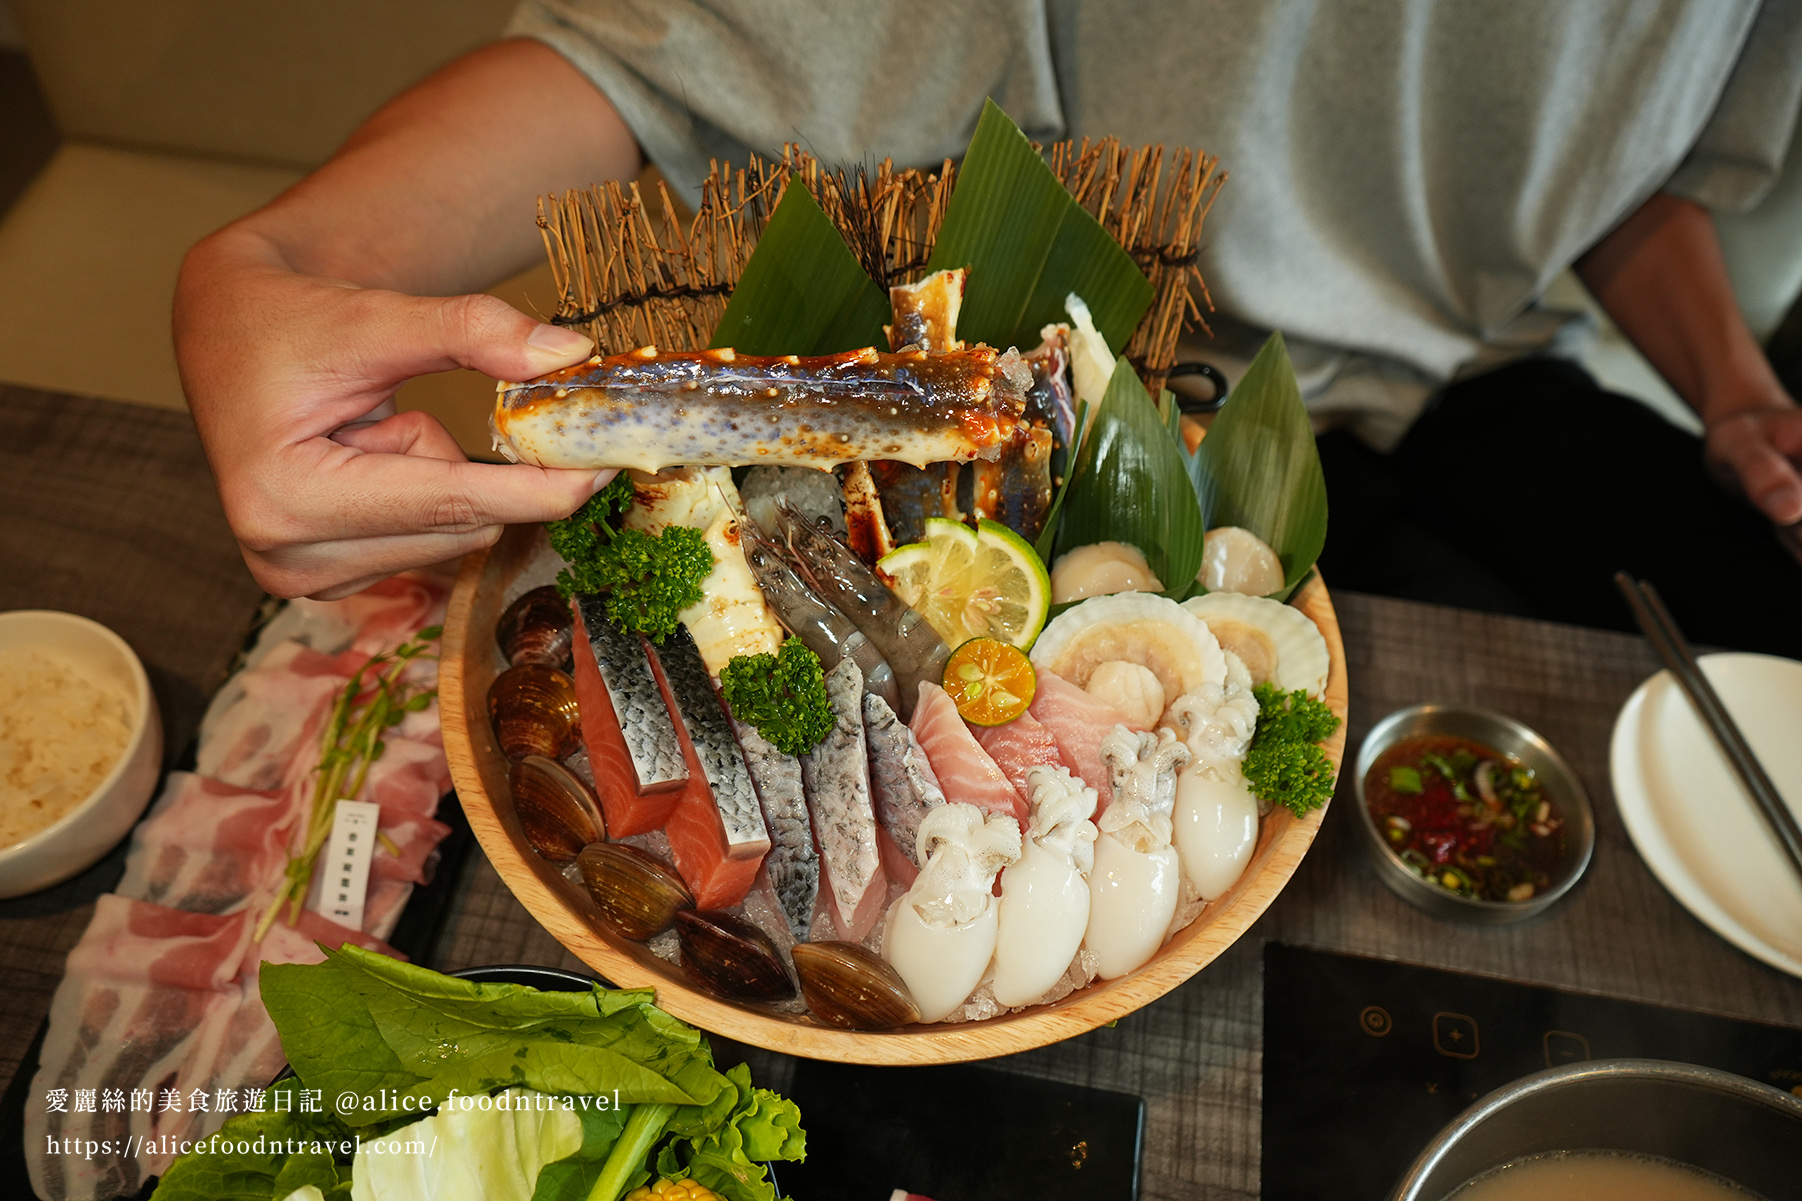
490, 580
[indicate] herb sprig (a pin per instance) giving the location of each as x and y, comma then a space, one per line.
783, 695
648, 578
1286, 764
352, 741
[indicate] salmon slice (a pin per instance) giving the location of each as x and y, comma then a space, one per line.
1017, 747
1077, 722
628, 808
716, 831
965, 771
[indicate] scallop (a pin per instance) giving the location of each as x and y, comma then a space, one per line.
1214, 827
1236, 560
1276, 642
1100, 569
1132, 689
1153, 632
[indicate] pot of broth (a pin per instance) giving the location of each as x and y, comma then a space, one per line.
1644, 1128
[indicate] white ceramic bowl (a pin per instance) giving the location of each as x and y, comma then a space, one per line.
91, 829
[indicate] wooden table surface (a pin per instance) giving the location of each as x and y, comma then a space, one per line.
77, 482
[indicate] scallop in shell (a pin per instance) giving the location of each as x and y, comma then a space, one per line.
1101, 569
1276, 642
533, 708
637, 893
853, 988
556, 808
1153, 632
537, 628
730, 958
1234, 559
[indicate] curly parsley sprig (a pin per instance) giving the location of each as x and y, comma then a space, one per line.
648, 578
783, 695
1286, 764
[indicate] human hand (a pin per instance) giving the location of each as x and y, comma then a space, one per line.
1758, 452
291, 378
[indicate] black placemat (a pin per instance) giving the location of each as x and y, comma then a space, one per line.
1366, 1059
959, 1133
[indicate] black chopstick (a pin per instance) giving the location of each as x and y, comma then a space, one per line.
1661, 631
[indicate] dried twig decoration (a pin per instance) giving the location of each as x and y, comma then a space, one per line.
629, 277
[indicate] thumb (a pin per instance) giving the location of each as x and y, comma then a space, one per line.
422, 334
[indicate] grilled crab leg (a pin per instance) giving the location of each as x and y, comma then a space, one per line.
649, 410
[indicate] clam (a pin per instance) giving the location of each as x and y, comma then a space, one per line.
537, 628
638, 894
730, 958
556, 808
850, 987
534, 711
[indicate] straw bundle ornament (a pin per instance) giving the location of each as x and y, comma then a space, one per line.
631, 271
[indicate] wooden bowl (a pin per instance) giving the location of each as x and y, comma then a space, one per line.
490, 579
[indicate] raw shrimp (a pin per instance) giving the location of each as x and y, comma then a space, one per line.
827, 632
913, 648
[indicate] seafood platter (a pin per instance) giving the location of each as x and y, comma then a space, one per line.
913, 702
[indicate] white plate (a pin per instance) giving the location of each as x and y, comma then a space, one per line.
1693, 821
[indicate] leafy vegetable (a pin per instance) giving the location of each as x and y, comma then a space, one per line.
1130, 484
362, 714
729, 1160
267, 1154
648, 578
1258, 467
1285, 764
1028, 245
783, 695
803, 292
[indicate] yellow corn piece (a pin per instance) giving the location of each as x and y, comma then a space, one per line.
672, 1190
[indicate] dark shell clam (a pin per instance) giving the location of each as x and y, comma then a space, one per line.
730, 958
556, 808
534, 711
852, 988
638, 894
537, 628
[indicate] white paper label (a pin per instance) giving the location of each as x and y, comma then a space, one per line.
344, 875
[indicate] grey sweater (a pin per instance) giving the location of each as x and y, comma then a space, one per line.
1406, 176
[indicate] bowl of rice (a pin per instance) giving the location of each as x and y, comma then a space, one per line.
81, 746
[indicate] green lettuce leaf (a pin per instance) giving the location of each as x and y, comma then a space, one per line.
264, 1168
729, 1159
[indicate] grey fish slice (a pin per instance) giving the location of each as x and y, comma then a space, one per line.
710, 732
793, 864
902, 782
836, 773
649, 410
652, 747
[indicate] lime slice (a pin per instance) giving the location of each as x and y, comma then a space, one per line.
991, 681
968, 583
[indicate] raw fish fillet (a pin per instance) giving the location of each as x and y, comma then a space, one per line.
902, 784
1077, 722
207, 846
793, 864
836, 773
1017, 747
965, 771
716, 830
629, 808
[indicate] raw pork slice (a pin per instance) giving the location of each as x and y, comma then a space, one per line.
965, 771
206, 846
1019, 746
262, 729
1078, 721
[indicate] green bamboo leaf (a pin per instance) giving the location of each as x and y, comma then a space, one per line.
1258, 466
803, 292
1131, 484
1028, 245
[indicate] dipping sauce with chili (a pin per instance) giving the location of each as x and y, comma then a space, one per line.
1466, 817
